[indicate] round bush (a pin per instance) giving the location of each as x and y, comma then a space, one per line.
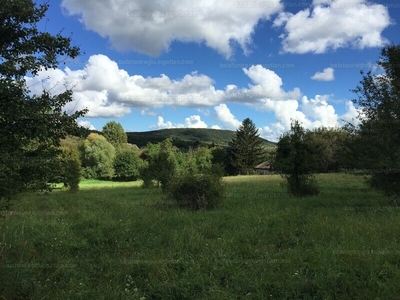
197, 191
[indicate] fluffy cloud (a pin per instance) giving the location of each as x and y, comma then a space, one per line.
225, 116
194, 122
86, 124
111, 92
351, 114
108, 91
318, 109
333, 24
162, 125
150, 26
190, 122
326, 75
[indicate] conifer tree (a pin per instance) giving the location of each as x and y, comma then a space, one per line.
245, 150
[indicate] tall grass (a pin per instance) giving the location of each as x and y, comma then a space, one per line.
119, 241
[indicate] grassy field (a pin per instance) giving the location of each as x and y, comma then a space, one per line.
119, 241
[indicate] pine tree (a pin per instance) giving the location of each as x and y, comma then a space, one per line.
245, 150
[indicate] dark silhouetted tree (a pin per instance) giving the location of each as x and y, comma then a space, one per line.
296, 158
377, 136
31, 125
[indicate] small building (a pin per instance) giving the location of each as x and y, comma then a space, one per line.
263, 169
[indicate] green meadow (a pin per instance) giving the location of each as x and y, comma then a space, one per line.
119, 241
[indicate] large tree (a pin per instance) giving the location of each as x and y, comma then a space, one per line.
31, 126
98, 157
377, 136
115, 134
245, 150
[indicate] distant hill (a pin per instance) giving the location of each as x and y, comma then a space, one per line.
186, 137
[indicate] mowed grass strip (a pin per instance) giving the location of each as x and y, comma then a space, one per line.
119, 241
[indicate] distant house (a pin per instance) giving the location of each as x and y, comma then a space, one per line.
263, 168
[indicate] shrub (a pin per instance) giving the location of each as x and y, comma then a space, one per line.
303, 185
71, 169
197, 191
296, 158
387, 182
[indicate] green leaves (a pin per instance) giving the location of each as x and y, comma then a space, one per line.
126, 165
115, 134
98, 157
377, 137
27, 119
297, 159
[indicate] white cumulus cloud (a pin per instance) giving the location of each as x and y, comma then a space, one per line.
351, 115
225, 116
109, 91
151, 26
333, 24
86, 124
326, 75
190, 122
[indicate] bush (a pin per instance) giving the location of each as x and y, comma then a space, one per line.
301, 186
388, 183
197, 191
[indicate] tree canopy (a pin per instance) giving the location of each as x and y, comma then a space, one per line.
115, 134
161, 163
377, 137
98, 157
31, 126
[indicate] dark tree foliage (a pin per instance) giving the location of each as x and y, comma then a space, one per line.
31, 126
115, 134
245, 150
377, 137
219, 155
297, 158
126, 165
331, 143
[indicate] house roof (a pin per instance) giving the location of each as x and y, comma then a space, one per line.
263, 165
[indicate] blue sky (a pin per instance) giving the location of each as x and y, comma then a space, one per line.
163, 64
